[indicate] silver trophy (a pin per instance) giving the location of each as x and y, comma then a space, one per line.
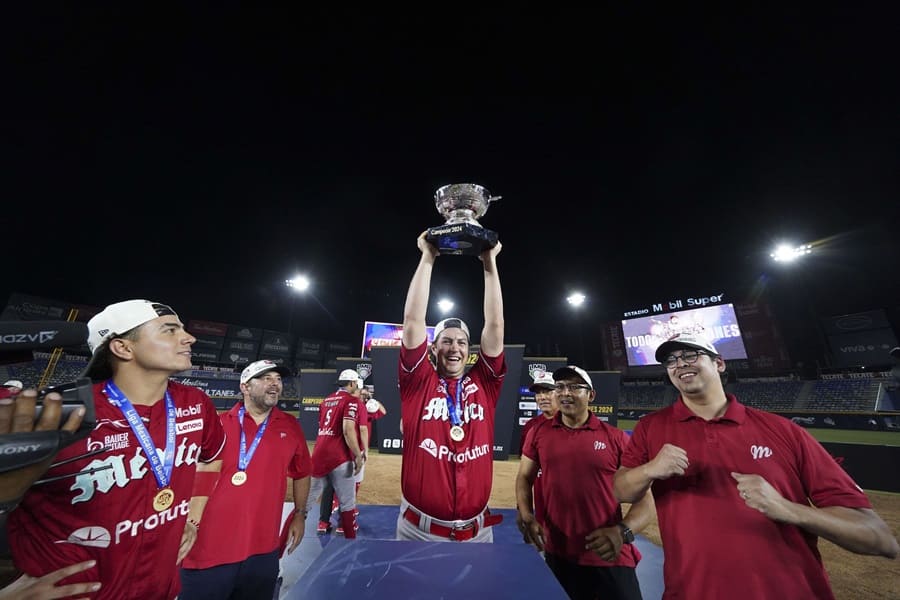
461, 205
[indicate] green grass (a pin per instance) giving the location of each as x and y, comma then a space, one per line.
847, 436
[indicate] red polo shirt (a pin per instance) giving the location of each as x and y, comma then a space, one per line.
282, 453
446, 479
578, 468
715, 545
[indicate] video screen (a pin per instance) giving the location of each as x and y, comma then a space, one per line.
385, 334
718, 324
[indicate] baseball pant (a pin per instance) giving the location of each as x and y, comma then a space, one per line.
251, 579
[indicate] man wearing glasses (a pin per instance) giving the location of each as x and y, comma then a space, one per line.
742, 495
586, 541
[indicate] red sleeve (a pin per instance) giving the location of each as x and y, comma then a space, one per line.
636, 453
413, 358
364, 416
528, 426
213, 433
826, 482
351, 411
530, 449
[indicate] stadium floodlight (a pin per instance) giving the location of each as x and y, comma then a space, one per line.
787, 253
298, 283
576, 299
445, 305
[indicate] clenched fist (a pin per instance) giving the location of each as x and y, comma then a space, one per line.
670, 460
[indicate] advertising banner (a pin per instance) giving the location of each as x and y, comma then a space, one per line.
312, 349
766, 350
862, 348
239, 332
208, 342
526, 407
241, 346
315, 386
275, 343
207, 328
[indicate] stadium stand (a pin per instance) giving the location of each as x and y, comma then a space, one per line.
844, 395
769, 395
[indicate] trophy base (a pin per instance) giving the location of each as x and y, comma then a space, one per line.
461, 238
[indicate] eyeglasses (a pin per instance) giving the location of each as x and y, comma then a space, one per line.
688, 356
571, 387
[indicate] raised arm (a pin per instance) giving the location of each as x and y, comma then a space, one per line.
414, 331
492, 334
858, 530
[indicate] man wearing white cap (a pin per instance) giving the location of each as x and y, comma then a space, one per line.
730, 480
448, 414
544, 389
239, 558
131, 504
338, 455
587, 542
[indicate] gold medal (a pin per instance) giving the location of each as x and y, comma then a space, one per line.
239, 478
457, 434
164, 499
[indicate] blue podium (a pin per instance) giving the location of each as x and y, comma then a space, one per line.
402, 570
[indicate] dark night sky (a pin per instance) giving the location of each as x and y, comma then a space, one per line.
199, 156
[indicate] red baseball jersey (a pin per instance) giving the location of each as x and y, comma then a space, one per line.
538, 489
108, 515
331, 449
282, 453
578, 469
446, 479
702, 514
363, 420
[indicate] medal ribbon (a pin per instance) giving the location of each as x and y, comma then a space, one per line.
454, 408
162, 472
245, 455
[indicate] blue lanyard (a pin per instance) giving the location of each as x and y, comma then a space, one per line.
245, 456
454, 406
160, 471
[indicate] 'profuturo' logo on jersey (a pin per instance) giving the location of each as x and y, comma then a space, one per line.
443, 453
95, 536
758, 452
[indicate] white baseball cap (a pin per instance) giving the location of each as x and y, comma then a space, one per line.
115, 320
14, 383
570, 370
348, 375
449, 324
543, 380
683, 340
255, 369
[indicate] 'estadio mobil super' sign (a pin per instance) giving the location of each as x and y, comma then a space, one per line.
671, 305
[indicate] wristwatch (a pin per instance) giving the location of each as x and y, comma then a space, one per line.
627, 534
